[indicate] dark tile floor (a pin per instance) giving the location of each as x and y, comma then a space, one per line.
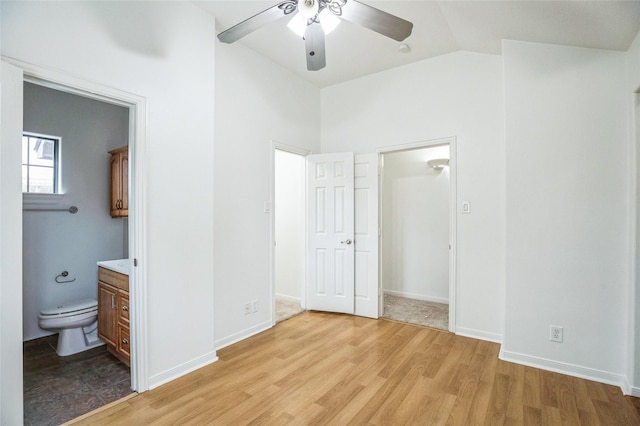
58, 389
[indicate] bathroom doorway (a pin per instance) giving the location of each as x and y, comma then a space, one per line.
289, 201
417, 234
55, 240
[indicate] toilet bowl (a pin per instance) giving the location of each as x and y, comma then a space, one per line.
76, 322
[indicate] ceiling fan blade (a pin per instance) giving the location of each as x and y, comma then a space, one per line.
314, 44
257, 21
381, 22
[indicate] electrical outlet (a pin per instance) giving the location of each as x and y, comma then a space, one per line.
247, 308
555, 333
254, 306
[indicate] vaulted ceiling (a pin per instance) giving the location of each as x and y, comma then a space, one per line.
440, 27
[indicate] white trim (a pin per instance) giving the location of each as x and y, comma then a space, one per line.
137, 189
241, 335
182, 369
453, 215
631, 353
626, 387
417, 145
416, 296
289, 298
272, 223
634, 391
478, 334
290, 148
568, 369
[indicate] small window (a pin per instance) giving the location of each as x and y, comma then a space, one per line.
40, 163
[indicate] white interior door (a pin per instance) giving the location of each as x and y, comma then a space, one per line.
331, 274
366, 235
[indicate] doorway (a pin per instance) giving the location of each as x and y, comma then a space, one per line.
289, 242
418, 233
59, 240
14, 75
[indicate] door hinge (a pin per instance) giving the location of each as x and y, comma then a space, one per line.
135, 262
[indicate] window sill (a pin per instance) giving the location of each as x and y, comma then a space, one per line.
35, 201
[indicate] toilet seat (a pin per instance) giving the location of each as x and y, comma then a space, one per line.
76, 307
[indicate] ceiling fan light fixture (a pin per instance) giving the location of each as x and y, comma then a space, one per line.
328, 20
308, 8
298, 24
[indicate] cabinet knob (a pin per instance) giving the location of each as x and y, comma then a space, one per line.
125, 308
125, 342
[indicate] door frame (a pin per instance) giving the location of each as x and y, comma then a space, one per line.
453, 223
137, 206
272, 208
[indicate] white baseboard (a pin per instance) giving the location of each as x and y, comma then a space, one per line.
634, 391
234, 338
182, 369
478, 334
570, 370
289, 298
417, 296
627, 389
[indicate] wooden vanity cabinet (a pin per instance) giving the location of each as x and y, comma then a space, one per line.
113, 312
120, 182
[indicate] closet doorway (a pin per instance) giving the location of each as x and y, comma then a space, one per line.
289, 200
417, 234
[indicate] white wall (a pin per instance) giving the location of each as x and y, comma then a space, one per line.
256, 102
567, 218
164, 52
458, 94
290, 222
415, 225
58, 241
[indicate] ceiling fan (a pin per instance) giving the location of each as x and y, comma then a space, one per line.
315, 18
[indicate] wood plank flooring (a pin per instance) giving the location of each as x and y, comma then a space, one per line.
319, 369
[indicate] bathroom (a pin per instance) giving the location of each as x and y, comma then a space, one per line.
54, 239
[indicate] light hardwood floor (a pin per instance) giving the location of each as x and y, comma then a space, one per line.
319, 368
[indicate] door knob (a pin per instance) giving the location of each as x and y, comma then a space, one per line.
346, 242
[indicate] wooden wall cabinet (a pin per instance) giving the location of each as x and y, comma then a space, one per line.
113, 312
120, 182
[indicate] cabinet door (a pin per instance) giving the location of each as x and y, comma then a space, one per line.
124, 184
107, 314
119, 165
116, 185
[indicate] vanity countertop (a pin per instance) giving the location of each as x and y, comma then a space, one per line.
122, 266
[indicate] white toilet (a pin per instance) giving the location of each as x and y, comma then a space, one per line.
76, 322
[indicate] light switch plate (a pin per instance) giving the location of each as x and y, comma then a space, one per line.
466, 207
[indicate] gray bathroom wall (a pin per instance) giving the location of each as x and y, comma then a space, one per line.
58, 241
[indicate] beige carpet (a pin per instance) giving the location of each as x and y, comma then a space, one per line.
286, 309
419, 312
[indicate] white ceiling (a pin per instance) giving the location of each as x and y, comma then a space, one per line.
439, 27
